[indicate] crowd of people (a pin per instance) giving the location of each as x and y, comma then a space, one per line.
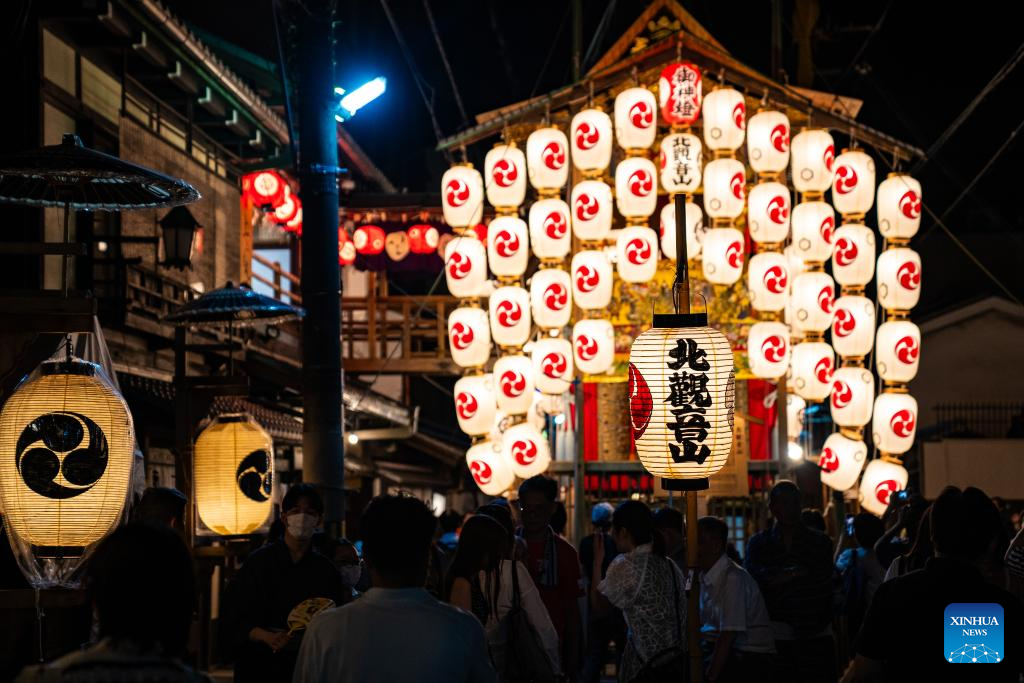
501, 594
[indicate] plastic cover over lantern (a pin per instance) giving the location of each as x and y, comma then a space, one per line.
841, 461
466, 267
768, 349
591, 140
899, 279
591, 280
510, 316
881, 479
899, 207
813, 225
636, 187
724, 188
636, 118
525, 450
725, 119
853, 185
469, 337
814, 297
552, 364
475, 404
508, 251
853, 390
768, 212
593, 345
768, 142
462, 196
591, 210
681, 162
768, 281
813, 154
551, 298
547, 158
812, 364
680, 93
853, 326
853, 255
636, 249
722, 251
505, 170
898, 350
549, 229
695, 230
513, 380
894, 423
490, 471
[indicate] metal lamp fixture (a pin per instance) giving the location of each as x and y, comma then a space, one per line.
178, 234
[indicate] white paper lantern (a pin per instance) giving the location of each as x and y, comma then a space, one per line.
682, 162
591, 140
894, 423
591, 210
853, 326
475, 404
841, 461
796, 264
813, 364
795, 407
853, 185
899, 207
813, 226
695, 230
899, 279
551, 298
462, 196
490, 471
552, 365
525, 450
513, 380
549, 229
593, 345
768, 281
768, 212
469, 337
898, 351
680, 93
853, 255
814, 296
505, 170
636, 118
508, 251
853, 390
591, 280
722, 255
725, 119
724, 188
510, 316
881, 479
636, 187
768, 142
466, 266
681, 397
636, 249
813, 156
768, 349
547, 158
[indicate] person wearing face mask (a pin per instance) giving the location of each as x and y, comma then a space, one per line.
273, 580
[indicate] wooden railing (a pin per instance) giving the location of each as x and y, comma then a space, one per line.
278, 276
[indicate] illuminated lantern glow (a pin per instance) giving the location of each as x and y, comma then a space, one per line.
423, 238
549, 229
853, 255
266, 188
841, 461
768, 281
525, 450
899, 207
636, 187
475, 404
813, 154
465, 267
796, 267
591, 210
547, 159
695, 230
894, 423
462, 196
513, 383
852, 392
813, 365
505, 170
469, 337
491, 473
233, 469
795, 407
899, 279
591, 280
853, 326
295, 224
881, 479
768, 212
724, 188
552, 359
674, 441
636, 118
768, 349
510, 316
813, 224
286, 210
551, 298
346, 248
591, 141
680, 93
814, 296
723, 255
681, 161
636, 249
369, 240
898, 351
593, 346
853, 183
508, 249
768, 142
725, 119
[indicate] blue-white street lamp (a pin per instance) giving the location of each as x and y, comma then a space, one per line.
351, 102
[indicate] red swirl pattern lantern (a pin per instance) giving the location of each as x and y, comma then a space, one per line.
508, 249
505, 170
636, 249
768, 142
853, 326
549, 229
591, 210
636, 187
513, 384
814, 296
462, 196
465, 267
894, 423
813, 365
552, 360
723, 255
591, 141
899, 207
841, 461
898, 351
853, 255
469, 337
491, 473
591, 280
853, 389
881, 479
813, 225
725, 119
813, 154
593, 346
768, 281
768, 212
853, 184
636, 118
547, 159
525, 450
724, 188
899, 279
475, 405
510, 316
680, 94
768, 349
551, 298
369, 240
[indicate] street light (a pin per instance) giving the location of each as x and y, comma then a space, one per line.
351, 102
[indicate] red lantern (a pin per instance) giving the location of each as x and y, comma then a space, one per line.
346, 248
286, 211
266, 188
423, 239
679, 93
369, 240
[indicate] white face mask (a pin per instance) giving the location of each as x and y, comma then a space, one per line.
301, 525
350, 574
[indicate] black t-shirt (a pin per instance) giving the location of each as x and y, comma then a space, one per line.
904, 626
587, 556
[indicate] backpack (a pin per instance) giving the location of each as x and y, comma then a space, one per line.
516, 650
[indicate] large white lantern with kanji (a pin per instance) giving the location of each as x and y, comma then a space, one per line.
881, 479
549, 229
841, 461
724, 188
899, 279
635, 118
551, 298
508, 251
469, 337
681, 162
814, 296
591, 280
899, 207
853, 390
505, 170
768, 142
813, 225
894, 423
490, 471
462, 196
680, 93
725, 119
525, 450
636, 249
547, 158
591, 210
853, 184
722, 255
768, 212
813, 364
898, 351
593, 346
636, 187
694, 230
853, 255
510, 316
768, 281
591, 141
552, 364
813, 154
681, 397
513, 384
853, 326
466, 266
475, 404
768, 349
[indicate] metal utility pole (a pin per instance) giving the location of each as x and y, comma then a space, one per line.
322, 444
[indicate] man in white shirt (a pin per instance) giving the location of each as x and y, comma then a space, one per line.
396, 631
736, 635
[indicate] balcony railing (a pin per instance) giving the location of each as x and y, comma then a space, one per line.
984, 420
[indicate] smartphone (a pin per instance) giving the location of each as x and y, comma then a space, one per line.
902, 496
849, 525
